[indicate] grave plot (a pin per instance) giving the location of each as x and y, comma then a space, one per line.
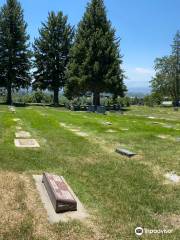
23, 134
76, 131
125, 152
26, 143
59, 200
173, 177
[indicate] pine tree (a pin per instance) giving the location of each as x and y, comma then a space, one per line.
176, 55
95, 62
14, 48
51, 51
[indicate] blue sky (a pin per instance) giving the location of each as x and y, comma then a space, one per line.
146, 29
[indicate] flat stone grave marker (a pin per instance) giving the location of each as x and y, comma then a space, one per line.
124, 129
19, 128
26, 143
111, 131
107, 123
16, 119
178, 139
23, 134
151, 117
156, 123
61, 198
82, 134
173, 177
167, 126
125, 152
63, 125
163, 136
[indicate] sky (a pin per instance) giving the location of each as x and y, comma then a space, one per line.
146, 29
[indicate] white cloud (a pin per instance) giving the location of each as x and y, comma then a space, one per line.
144, 71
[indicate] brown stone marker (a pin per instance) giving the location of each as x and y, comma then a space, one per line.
59, 194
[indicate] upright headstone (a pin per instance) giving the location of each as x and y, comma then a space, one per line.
101, 109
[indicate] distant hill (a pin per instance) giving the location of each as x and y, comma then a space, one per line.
138, 91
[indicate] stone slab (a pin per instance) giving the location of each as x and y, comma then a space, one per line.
125, 152
53, 217
16, 119
111, 131
26, 143
172, 177
124, 129
19, 128
107, 123
23, 134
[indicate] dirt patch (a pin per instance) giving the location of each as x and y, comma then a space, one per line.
22, 214
169, 220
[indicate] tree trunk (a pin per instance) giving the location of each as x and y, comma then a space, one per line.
96, 99
56, 97
9, 94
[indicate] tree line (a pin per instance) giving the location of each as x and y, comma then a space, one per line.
166, 82
86, 59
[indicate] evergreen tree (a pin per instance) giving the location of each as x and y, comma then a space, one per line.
95, 63
51, 51
14, 48
176, 55
166, 81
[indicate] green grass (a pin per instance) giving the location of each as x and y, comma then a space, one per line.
120, 193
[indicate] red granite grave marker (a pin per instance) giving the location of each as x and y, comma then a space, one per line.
59, 194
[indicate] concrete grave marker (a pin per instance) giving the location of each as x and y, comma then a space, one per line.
82, 134
156, 122
173, 177
111, 131
107, 123
19, 128
16, 119
167, 126
124, 129
23, 134
26, 143
125, 152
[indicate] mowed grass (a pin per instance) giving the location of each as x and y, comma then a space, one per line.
119, 193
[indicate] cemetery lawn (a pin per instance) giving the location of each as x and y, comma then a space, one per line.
119, 193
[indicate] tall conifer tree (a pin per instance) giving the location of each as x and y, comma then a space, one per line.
14, 48
95, 63
51, 51
176, 55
